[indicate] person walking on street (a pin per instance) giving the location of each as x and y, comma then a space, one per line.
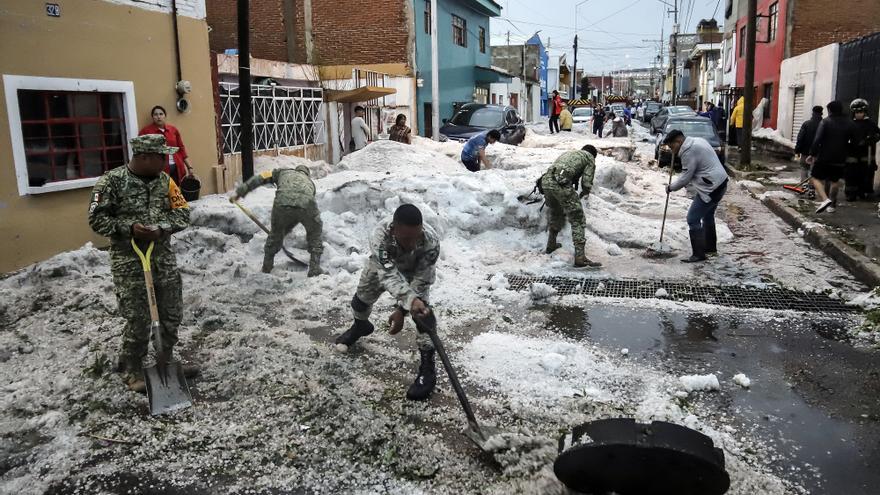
559, 187
177, 164
555, 110
294, 204
360, 131
565, 119
805, 139
828, 155
140, 202
736, 118
701, 169
862, 158
403, 257
474, 151
399, 131
598, 120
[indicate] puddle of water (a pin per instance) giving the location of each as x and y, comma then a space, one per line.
814, 426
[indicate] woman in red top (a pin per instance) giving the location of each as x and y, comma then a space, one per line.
178, 164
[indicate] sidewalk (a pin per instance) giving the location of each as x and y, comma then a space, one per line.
850, 235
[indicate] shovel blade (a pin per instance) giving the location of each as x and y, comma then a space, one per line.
167, 389
482, 436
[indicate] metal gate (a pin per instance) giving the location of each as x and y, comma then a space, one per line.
799, 115
858, 72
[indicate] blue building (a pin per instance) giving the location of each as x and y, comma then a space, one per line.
542, 71
465, 56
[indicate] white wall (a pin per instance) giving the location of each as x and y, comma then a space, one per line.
816, 72
189, 8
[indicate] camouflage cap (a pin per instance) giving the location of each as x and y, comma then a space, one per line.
151, 143
304, 169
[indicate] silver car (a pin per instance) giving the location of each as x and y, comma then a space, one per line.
582, 115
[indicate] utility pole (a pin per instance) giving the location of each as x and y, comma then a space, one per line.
574, 72
246, 134
745, 147
435, 75
674, 52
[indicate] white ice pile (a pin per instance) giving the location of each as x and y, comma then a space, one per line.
541, 291
774, 135
699, 383
742, 380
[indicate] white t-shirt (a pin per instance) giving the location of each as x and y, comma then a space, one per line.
360, 132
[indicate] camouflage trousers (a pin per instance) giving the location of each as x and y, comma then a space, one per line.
563, 202
370, 288
131, 296
284, 219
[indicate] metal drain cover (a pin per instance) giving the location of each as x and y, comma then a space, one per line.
769, 297
628, 458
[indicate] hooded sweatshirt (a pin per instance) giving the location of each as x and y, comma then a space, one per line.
737, 114
700, 167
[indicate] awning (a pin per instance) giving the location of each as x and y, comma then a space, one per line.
357, 95
491, 75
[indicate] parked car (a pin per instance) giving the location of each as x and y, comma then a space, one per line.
691, 126
475, 118
582, 115
651, 109
659, 121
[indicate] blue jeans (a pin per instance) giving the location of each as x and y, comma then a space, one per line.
701, 215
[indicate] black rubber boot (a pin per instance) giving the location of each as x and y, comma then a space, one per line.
358, 329
698, 247
424, 383
552, 244
711, 240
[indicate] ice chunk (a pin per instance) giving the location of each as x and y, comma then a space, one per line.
614, 250
540, 291
661, 292
624, 351
693, 383
742, 380
552, 362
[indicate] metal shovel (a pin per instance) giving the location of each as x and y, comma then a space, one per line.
166, 386
659, 249
265, 229
478, 434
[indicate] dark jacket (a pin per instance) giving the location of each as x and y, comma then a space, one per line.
807, 134
833, 139
864, 145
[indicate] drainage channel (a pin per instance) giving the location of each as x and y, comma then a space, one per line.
774, 298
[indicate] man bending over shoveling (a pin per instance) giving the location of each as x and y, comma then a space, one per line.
559, 186
139, 201
294, 204
403, 254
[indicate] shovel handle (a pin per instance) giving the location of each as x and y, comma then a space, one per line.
265, 229
148, 278
666, 208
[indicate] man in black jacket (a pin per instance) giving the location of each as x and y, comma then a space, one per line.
828, 154
861, 163
805, 139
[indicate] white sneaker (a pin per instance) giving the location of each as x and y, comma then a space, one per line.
824, 205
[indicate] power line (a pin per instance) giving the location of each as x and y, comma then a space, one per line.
569, 28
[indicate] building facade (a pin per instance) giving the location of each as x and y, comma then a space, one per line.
78, 85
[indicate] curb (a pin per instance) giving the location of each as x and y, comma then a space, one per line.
859, 265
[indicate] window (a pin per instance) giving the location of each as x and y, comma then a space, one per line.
774, 18
742, 41
768, 93
459, 30
427, 16
482, 39
67, 132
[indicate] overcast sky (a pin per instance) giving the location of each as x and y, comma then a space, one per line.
612, 33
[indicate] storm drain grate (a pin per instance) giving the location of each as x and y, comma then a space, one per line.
735, 296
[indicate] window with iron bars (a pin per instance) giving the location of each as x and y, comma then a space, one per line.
774, 20
284, 117
482, 39
71, 135
459, 31
427, 16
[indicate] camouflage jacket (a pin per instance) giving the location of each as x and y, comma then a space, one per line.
404, 274
572, 165
295, 188
121, 199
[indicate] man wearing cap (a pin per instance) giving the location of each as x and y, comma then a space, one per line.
701, 169
139, 201
294, 204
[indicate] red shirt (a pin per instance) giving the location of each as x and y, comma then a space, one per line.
172, 138
557, 105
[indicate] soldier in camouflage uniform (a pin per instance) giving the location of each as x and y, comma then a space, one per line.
294, 204
559, 186
403, 254
140, 201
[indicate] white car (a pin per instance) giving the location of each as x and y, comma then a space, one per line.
582, 115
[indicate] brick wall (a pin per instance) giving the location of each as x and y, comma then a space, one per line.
268, 38
817, 23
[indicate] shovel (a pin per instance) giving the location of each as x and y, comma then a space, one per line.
266, 230
478, 434
659, 249
167, 390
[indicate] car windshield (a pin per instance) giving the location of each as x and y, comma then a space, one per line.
692, 128
582, 112
479, 117
680, 110
652, 106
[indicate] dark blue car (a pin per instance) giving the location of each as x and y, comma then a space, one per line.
475, 118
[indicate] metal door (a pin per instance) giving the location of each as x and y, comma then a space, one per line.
799, 113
